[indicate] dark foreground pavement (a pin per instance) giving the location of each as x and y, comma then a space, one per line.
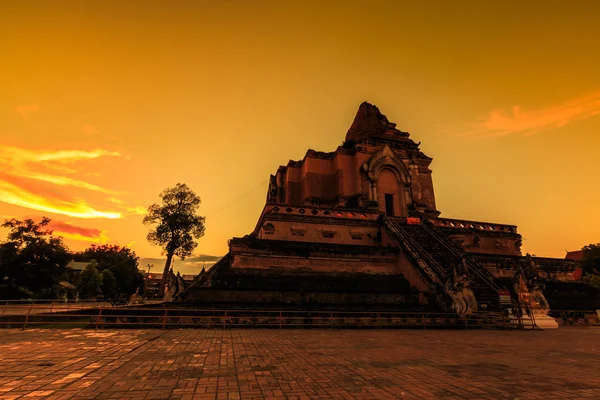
300, 364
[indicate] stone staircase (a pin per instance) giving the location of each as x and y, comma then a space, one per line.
441, 253
203, 279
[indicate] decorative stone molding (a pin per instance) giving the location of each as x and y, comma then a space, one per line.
386, 159
328, 233
298, 231
357, 235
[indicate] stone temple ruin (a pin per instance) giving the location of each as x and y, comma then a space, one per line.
359, 228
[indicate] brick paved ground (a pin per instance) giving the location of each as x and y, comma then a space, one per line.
299, 364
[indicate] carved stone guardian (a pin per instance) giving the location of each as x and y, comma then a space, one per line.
529, 290
458, 287
171, 287
135, 298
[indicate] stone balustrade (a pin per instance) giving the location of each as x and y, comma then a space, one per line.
320, 212
481, 226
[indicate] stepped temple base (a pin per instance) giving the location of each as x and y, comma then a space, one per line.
358, 228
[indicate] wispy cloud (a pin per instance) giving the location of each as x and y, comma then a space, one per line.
137, 210
14, 194
532, 121
61, 156
27, 109
20, 168
64, 181
203, 257
70, 231
191, 265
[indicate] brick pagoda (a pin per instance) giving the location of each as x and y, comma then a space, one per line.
359, 227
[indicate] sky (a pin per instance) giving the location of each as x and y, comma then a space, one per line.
103, 104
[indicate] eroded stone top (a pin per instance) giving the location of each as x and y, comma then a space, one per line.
370, 122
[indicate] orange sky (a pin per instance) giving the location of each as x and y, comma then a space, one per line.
105, 103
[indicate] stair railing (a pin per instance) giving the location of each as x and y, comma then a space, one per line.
201, 278
417, 252
473, 266
421, 252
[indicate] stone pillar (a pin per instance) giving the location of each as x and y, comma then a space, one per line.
373, 191
406, 194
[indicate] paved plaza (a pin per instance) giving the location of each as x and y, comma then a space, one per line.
300, 364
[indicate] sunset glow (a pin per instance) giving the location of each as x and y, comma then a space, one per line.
105, 104
530, 122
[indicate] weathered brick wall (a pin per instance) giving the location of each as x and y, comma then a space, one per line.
487, 243
296, 298
363, 265
319, 232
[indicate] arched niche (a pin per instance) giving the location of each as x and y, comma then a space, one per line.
388, 182
390, 199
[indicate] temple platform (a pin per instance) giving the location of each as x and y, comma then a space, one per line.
358, 227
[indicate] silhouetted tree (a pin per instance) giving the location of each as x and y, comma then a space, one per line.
175, 225
109, 285
122, 262
32, 261
90, 283
590, 264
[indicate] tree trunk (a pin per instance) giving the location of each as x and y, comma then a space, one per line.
163, 282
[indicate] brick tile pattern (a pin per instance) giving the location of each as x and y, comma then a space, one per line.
299, 364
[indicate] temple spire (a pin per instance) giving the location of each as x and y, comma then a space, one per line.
369, 122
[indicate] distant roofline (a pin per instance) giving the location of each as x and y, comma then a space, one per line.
574, 255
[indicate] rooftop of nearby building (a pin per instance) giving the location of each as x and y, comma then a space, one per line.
575, 255
78, 265
158, 276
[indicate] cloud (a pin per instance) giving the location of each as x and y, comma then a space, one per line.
27, 109
529, 122
184, 267
14, 194
64, 181
193, 259
66, 230
37, 178
62, 156
202, 258
31, 179
137, 210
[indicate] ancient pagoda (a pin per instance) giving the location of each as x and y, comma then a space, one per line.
359, 227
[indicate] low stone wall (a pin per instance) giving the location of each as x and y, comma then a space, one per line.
575, 318
572, 296
270, 280
302, 299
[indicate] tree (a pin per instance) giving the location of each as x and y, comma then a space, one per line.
109, 285
32, 261
590, 264
90, 284
175, 225
122, 263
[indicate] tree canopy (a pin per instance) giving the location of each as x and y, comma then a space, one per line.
590, 264
90, 282
122, 262
174, 224
32, 261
